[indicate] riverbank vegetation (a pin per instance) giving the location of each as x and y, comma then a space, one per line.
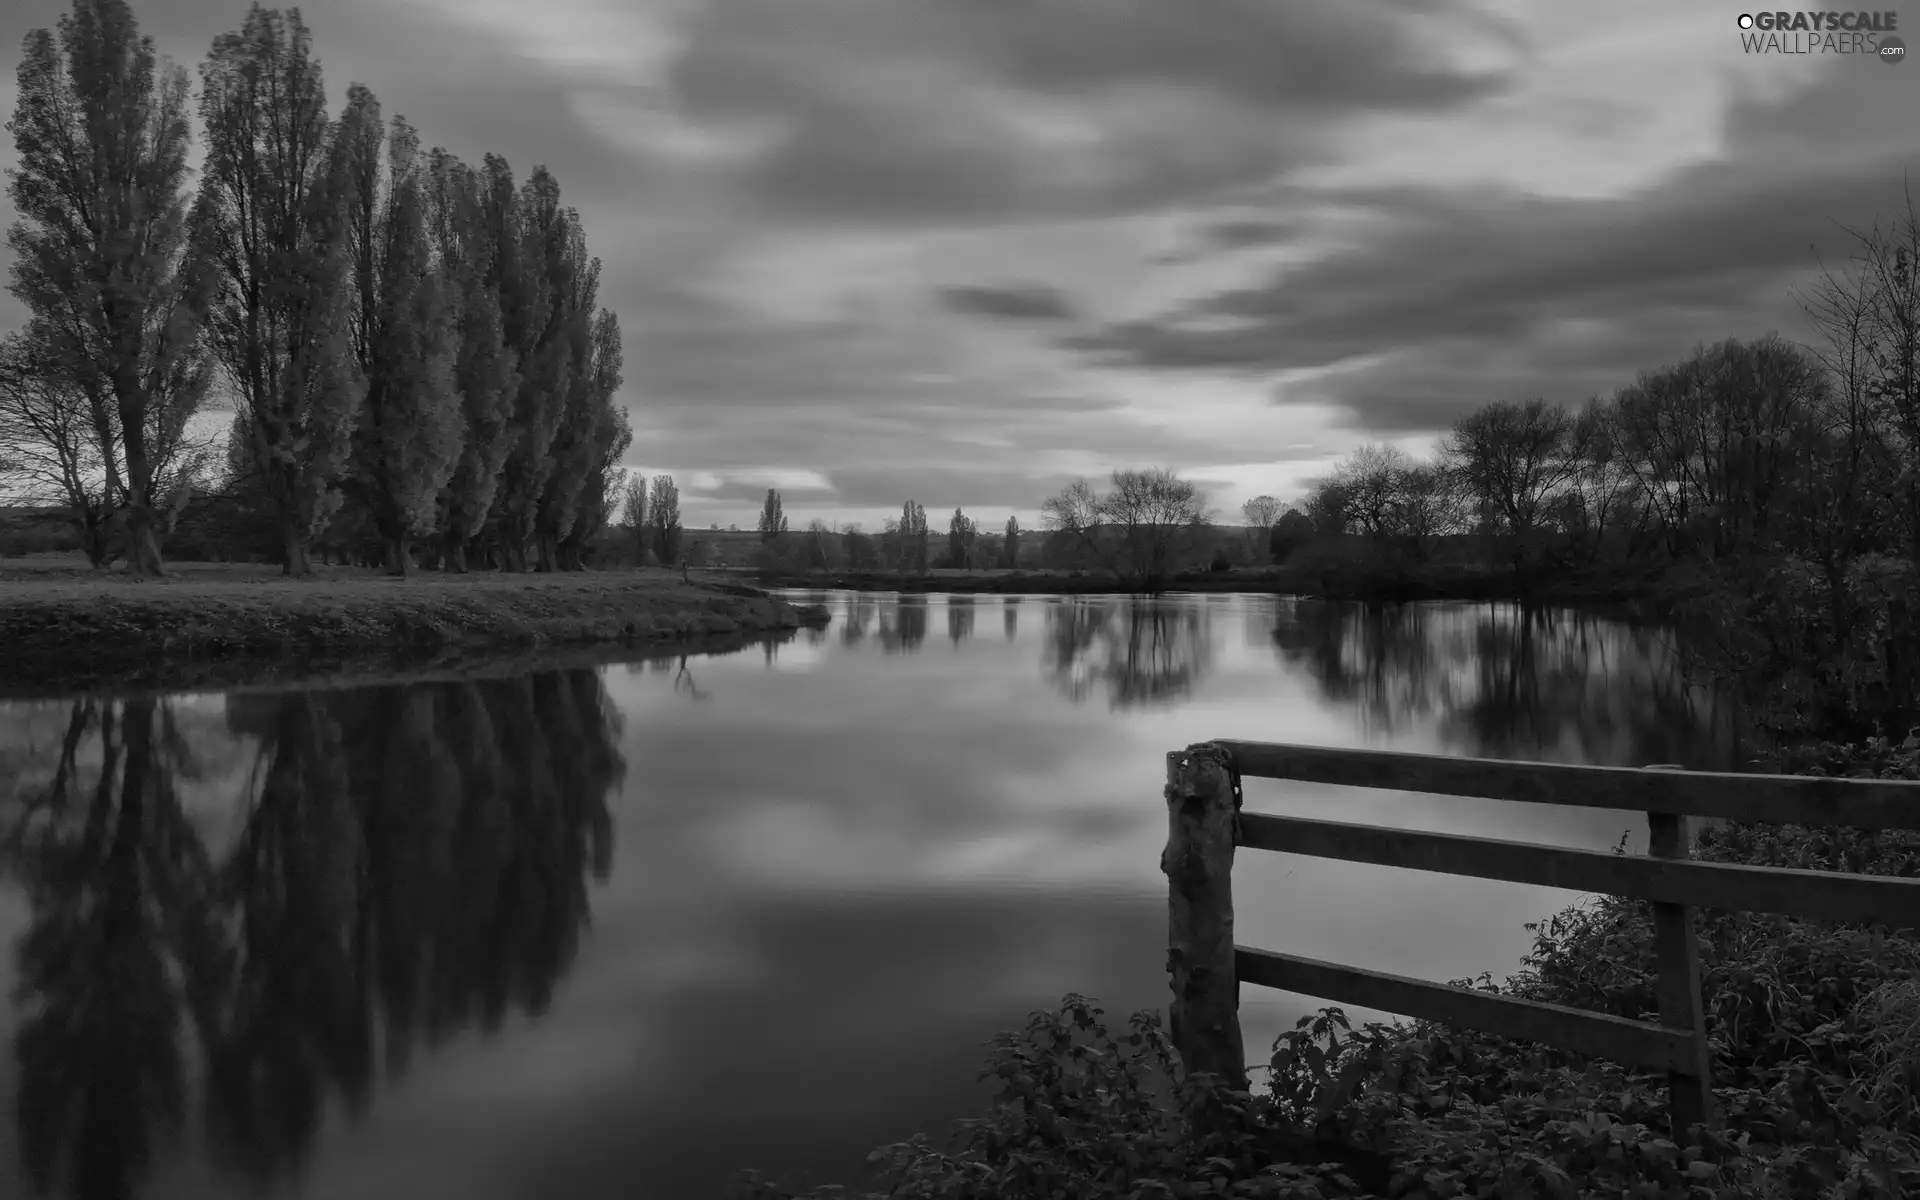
64, 629
413, 348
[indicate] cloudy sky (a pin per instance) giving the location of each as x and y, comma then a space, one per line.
965, 250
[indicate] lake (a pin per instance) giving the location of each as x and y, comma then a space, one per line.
621, 931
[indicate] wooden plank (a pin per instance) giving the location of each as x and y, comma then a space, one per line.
1677, 984
1869, 803
1630, 1043
1891, 902
1204, 1018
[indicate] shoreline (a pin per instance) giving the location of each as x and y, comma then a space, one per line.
1634, 595
65, 631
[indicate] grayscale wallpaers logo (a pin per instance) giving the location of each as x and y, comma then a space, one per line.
1868, 34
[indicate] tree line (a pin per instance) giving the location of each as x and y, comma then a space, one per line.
413, 346
904, 543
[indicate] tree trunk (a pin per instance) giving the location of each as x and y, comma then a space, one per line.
544, 552
453, 555
513, 557
143, 542
294, 560
398, 555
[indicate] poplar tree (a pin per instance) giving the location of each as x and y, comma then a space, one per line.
1010, 545
580, 418
101, 256
469, 263
609, 436
773, 520
535, 281
663, 516
407, 439
273, 234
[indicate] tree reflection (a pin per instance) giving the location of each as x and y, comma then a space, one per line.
1140, 652
1508, 681
903, 625
1010, 616
119, 945
412, 860
959, 618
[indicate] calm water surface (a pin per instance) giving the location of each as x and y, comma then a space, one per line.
620, 932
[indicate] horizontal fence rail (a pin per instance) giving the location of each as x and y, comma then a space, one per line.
1772, 799
1206, 824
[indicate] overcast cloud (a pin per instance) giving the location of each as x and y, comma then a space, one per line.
962, 250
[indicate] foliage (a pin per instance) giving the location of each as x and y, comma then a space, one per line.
773, 519
269, 223
100, 251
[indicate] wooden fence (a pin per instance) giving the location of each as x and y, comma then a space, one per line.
1206, 824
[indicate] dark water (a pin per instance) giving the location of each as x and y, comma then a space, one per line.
620, 932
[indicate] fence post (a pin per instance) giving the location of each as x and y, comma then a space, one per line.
1677, 961
1204, 1020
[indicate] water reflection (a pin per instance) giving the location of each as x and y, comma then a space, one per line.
405, 862
959, 619
846, 864
1137, 652
1496, 680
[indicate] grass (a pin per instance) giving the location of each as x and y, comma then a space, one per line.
63, 626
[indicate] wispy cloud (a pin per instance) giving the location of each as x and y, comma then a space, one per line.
959, 250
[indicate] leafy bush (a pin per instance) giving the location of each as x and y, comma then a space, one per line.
1815, 1030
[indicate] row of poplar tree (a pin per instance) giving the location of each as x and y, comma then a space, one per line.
409, 341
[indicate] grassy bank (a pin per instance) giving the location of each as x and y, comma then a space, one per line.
64, 627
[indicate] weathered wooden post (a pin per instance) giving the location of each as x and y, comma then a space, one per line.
1204, 1020
1677, 961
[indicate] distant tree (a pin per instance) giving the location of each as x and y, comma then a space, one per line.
773, 521
633, 513
270, 225
893, 551
663, 518
861, 555
961, 534
1010, 544
1329, 506
1517, 460
913, 535
1261, 512
820, 546
100, 253
1288, 534
1138, 530
408, 435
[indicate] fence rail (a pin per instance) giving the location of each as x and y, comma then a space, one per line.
1206, 825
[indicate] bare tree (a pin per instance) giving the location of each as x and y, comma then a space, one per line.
1261, 512
1139, 529
1515, 457
633, 513
49, 452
